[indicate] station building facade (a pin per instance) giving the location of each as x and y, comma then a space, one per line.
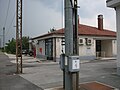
94, 42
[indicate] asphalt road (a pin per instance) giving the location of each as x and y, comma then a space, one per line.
9, 80
50, 75
37, 75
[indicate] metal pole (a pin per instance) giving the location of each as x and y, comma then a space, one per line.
68, 42
71, 42
4, 38
17, 71
75, 39
0, 43
76, 48
19, 35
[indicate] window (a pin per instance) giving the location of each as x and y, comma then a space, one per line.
89, 42
81, 41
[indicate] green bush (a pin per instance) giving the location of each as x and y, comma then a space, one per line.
11, 45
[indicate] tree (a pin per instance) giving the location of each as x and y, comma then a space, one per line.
25, 43
11, 45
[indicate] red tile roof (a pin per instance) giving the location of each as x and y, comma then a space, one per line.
85, 30
90, 31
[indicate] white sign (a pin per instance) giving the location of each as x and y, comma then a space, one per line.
66, 61
75, 64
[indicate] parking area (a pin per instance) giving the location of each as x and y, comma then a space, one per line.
47, 74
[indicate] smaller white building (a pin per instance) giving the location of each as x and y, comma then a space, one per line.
116, 5
93, 43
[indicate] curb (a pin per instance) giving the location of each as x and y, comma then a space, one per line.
46, 62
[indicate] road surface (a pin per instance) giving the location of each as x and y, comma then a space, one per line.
9, 80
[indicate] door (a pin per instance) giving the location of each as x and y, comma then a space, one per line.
49, 49
98, 48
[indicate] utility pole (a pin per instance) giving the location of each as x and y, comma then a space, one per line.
68, 41
4, 38
75, 39
75, 31
19, 35
71, 47
0, 42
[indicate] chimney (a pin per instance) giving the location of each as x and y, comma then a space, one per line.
100, 22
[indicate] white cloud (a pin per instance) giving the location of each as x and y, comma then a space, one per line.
41, 15
91, 9
39, 19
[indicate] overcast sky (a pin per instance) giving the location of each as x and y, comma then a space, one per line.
41, 15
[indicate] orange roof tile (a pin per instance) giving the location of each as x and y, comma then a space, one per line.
89, 30
85, 30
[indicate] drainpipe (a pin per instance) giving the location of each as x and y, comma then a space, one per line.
54, 49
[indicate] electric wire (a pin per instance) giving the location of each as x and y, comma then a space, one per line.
0, 19
6, 20
10, 24
7, 13
62, 12
0, 16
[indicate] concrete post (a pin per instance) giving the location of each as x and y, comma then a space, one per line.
75, 76
71, 45
68, 41
68, 28
118, 38
4, 38
116, 5
0, 42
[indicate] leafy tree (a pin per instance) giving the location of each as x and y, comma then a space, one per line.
25, 43
11, 45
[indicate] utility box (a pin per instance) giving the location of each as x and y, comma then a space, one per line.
73, 63
62, 61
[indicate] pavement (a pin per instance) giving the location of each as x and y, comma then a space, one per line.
9, 80
39, 75
28, 59
36, 61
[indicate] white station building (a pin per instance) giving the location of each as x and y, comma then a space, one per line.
94, 42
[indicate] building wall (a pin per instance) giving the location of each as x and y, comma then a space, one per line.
114, 46
59, 48
40, 49
87, 50
107, 48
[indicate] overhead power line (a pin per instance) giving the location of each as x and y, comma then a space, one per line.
10, 24
62, 7
7, 13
